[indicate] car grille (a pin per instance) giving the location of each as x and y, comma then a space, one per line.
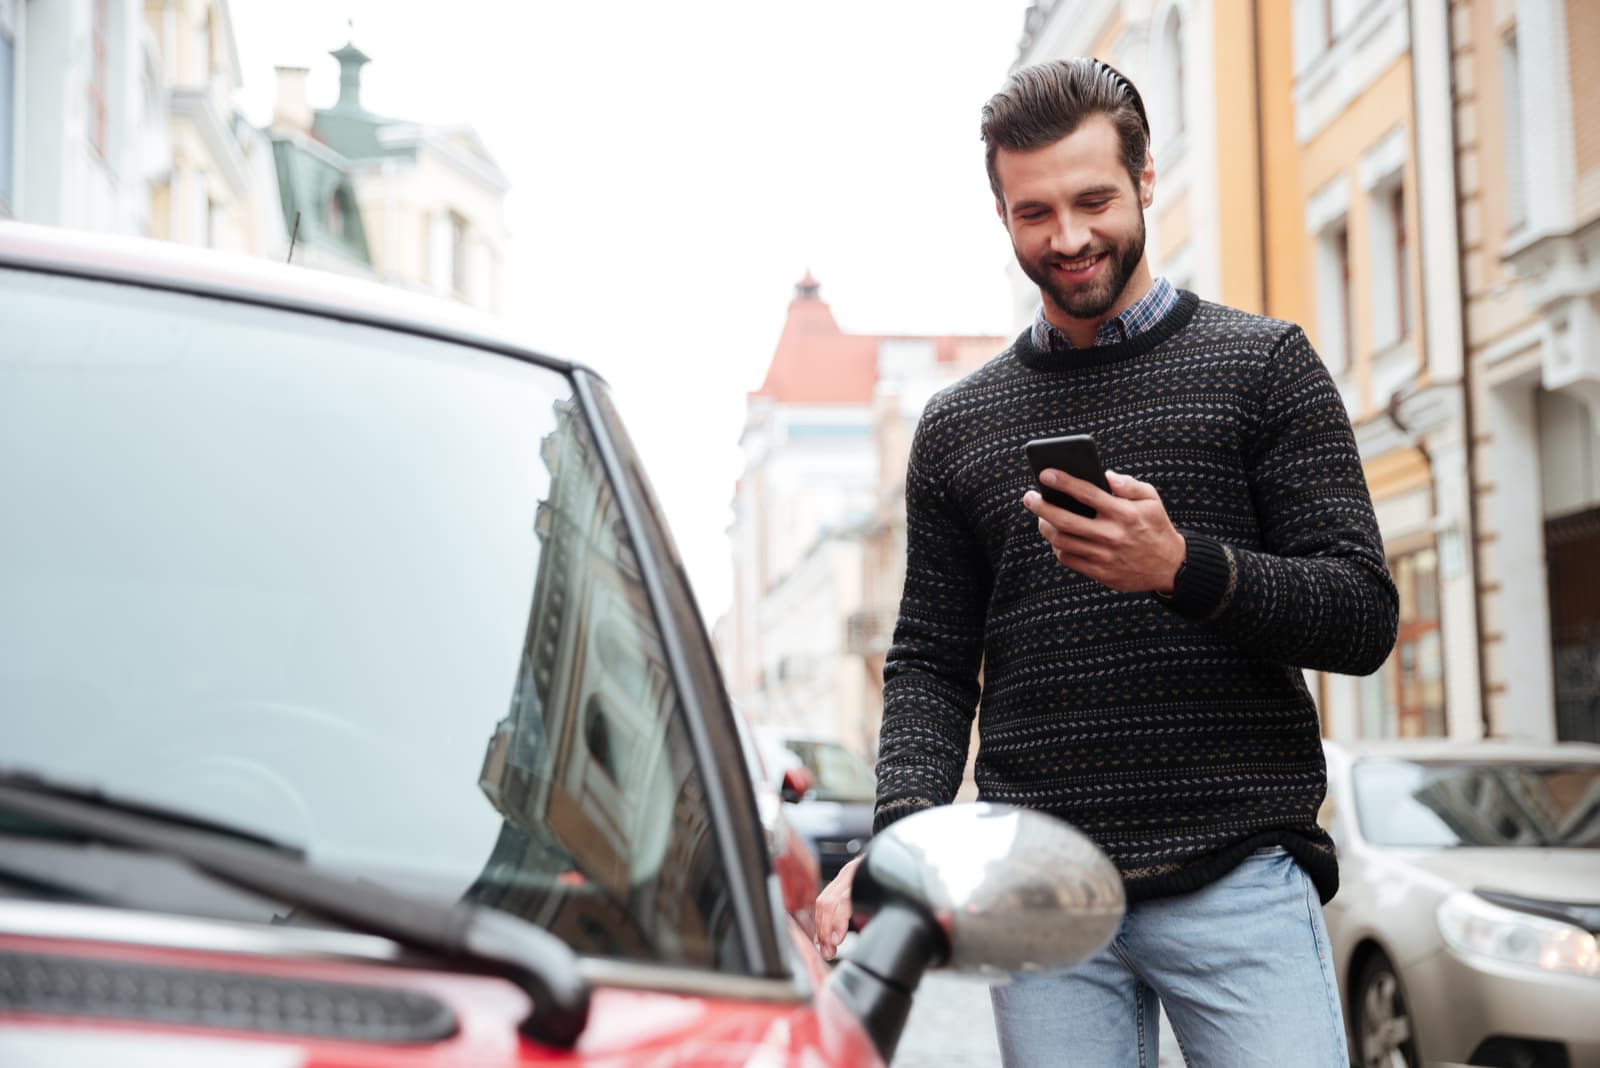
73, 986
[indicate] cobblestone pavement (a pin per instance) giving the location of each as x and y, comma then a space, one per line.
951, 1026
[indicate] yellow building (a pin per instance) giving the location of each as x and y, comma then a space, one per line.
1300, 172
206, 197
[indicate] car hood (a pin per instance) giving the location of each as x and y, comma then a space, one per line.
1571, 875
831, 819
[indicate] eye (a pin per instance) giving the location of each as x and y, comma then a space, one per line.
1096, 204
1033, 215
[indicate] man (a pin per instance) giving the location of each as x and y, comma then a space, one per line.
1141, 670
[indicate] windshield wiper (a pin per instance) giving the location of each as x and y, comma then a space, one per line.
93, 795
484, 938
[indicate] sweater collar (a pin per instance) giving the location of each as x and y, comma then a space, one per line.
1069, 359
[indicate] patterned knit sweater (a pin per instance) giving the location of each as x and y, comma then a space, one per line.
1178, 734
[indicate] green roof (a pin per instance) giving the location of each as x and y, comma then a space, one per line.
319, 189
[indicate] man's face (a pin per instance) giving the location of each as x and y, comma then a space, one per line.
1076, 220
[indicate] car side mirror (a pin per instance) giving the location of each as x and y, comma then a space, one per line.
797, 782
982, 889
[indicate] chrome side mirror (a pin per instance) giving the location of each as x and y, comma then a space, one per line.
983, 889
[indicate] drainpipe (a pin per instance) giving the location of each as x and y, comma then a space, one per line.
1465, 381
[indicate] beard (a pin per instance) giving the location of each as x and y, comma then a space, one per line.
1092, 299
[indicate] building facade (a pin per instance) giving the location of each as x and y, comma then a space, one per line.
205, 196
813, 536
83, 114
1527, 120
432, 197
120, 116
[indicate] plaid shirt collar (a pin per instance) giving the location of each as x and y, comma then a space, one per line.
1140, 316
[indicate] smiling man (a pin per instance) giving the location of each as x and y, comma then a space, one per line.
1141, 670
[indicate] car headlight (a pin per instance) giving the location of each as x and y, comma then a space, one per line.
1470, 924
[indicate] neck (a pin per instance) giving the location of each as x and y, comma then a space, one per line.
1081, 332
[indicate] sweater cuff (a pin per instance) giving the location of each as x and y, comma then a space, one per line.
1204, 581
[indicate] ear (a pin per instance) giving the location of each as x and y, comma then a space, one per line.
1147, 181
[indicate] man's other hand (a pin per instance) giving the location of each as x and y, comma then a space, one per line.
833, 910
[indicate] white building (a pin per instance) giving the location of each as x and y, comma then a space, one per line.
83, 114
204, 197
432, 197
814, 544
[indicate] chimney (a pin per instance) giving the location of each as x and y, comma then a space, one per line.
291, 109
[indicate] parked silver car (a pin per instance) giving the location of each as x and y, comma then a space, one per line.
1465, 927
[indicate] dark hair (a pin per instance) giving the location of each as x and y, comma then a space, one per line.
1043, 103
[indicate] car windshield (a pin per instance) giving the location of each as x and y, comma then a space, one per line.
837, 773
360, 591
1416, 804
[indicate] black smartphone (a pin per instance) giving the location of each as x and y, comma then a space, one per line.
1075, 454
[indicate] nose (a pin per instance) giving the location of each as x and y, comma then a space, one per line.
1071, 236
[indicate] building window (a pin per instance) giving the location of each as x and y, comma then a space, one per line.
1391, 276
1171, 102
202, 51
459, 267
1401, 252
98, 78
1513, 157
1318, 25
1405, 699
8, 123
1335, 329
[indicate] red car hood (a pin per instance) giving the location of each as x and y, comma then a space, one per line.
626, 1028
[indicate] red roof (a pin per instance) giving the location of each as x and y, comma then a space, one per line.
817, 363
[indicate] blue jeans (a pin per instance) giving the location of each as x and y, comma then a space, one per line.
1241, 965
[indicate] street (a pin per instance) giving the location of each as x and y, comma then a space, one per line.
951, 1027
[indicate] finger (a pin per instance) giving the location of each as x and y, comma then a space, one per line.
1130, 488
1075, 487
1058, 518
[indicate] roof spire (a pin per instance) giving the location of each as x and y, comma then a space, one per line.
351, 60
808, 288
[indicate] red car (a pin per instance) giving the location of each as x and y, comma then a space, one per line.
355, 710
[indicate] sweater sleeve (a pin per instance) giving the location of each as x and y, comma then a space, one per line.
930, 675
1318, 594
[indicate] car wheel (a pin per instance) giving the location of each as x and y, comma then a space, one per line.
1380, 1020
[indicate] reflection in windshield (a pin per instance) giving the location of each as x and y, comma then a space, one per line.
607, 838
360, 591
1418, 805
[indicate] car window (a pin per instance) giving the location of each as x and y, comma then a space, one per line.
838, 773
361, 591
1534, 805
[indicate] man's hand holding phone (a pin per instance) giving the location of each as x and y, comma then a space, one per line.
1130, 545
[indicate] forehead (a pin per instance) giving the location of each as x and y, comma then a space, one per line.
1089, 155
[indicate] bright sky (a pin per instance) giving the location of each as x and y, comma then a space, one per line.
675, 168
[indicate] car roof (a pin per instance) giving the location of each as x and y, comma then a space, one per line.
252, 280
1489, 750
